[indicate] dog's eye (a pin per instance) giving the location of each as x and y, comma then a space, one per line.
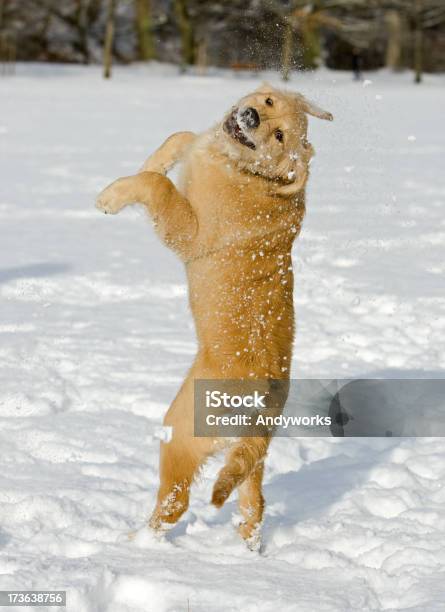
279, 135
269, 101
305, 143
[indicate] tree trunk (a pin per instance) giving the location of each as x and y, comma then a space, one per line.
43, 31
286, 57
82, 27
311, 43
201, 56
144, 30
186, 32
395, 40
418, 43
109, 37
418, 55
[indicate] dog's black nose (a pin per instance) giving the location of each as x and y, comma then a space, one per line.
250, 117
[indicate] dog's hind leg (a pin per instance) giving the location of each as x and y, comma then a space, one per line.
249, 452
242, 460
251, 505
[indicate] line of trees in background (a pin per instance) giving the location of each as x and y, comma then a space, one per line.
241, 34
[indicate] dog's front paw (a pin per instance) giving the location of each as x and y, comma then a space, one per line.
113, 198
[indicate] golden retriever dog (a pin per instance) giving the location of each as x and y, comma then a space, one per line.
232, 220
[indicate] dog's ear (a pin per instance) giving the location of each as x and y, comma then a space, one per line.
291, 189
313, 109
299, 172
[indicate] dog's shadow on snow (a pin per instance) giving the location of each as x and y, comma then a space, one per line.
4, 538
36, 270
297, 496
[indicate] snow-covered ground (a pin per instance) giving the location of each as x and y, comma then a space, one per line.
96, 337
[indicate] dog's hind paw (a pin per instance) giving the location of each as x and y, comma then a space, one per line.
254, 544
251, 536
223, 488
219, 496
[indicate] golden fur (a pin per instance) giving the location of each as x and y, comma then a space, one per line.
232, 220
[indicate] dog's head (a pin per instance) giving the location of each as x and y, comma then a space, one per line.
266, 134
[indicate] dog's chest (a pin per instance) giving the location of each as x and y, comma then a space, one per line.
217, 190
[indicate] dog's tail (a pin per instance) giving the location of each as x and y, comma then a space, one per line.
241, 461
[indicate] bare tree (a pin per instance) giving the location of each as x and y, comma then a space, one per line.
418, 42
395, 32
423, 15
427, 14
144, 29
307, 19
287, 47
231, 30
186, 30
82, 28
109, 37
201, 55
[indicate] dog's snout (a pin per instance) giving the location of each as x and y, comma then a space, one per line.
250, 117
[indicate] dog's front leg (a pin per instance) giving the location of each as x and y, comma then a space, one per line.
178, 466
169, 153
174, 218
251, 505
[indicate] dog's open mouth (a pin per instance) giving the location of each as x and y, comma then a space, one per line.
233, 128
